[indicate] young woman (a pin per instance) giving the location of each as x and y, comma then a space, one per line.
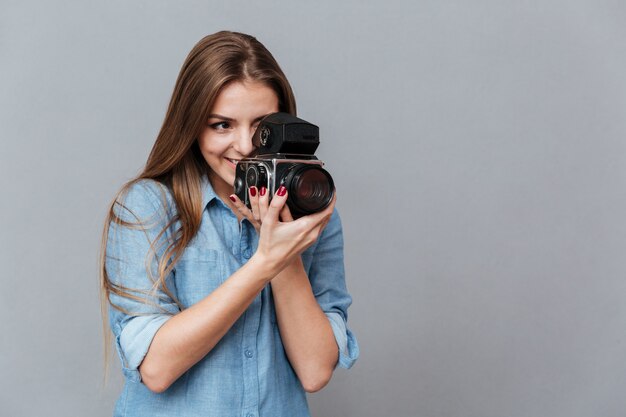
217, 309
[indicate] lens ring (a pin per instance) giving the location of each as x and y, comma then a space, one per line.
252, 175
311, 188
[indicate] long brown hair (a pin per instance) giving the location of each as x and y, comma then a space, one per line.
175, 160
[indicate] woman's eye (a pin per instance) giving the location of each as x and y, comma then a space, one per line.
220, 126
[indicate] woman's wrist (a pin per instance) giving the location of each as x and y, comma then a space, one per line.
292, 273
294, 265
264, 268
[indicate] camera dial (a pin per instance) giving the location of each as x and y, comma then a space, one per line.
256, 175
264, 135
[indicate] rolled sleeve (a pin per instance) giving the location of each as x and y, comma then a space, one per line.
327, 276
137, 315
134, 339
346, 342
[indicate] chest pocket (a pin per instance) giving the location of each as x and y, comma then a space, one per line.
198, 274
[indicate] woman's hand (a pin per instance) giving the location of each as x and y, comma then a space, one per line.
259, 202
280, 237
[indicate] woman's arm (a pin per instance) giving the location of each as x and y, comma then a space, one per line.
314, 341
304, 328
189, 335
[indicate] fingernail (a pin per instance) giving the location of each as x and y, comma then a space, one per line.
281, 191
232, 198
262, 191
253, 191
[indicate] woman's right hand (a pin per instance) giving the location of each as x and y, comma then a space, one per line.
280, 241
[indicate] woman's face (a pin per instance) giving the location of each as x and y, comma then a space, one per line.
228, 135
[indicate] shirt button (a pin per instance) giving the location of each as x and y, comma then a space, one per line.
250, 415
247, 254
248, 355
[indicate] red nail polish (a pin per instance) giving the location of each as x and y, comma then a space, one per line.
253, 191
281, 191
232, 198
262, 191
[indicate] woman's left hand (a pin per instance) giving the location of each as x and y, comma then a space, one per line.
259, 202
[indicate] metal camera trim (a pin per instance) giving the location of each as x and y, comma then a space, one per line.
271, 163
258, 161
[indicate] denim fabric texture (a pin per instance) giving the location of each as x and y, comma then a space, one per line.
247, 373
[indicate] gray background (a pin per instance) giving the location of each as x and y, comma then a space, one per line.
479, 152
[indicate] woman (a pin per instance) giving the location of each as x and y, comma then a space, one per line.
217, 309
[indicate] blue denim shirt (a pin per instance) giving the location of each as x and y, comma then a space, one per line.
247, 374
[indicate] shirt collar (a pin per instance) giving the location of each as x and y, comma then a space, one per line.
208, 194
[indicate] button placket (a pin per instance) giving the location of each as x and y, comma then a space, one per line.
250, 364
244, 237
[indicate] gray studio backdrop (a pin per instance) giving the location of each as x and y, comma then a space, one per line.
479, 153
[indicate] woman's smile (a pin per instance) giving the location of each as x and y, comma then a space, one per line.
227, 138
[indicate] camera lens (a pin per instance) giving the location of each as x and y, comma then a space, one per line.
310, 187
256, 176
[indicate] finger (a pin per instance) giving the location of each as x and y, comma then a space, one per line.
317, 231
278, 201
285, 214
324, 224
325, 214
253, 195
243, 209
264, 199
331, 206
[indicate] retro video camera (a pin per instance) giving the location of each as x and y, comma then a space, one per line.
284, 152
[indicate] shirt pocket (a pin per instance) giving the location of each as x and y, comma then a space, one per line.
198, 273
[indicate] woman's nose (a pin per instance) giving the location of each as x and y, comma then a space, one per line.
243, 143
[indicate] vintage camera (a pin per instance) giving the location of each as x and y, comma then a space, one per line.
284, 152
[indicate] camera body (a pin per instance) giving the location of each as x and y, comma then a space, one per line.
285, 147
